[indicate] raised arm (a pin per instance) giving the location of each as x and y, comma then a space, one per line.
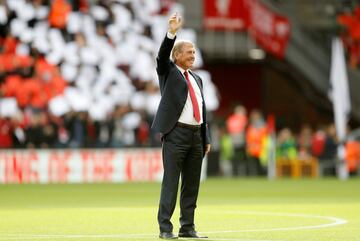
163, 58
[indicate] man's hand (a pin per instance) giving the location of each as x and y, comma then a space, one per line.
175, 23
207, 148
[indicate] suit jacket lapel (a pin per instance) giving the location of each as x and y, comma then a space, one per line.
181, 76
194, 76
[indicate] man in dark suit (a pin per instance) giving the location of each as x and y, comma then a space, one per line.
181, 120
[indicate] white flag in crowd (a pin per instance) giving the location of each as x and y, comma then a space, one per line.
341, 100
340, 88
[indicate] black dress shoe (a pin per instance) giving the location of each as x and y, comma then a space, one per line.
167, 235
190, 234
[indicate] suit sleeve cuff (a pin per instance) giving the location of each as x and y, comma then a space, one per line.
170, 35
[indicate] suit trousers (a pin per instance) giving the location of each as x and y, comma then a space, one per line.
182, 156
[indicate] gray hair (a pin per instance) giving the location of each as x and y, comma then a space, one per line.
178, 47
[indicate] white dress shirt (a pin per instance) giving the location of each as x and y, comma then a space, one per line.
187, 115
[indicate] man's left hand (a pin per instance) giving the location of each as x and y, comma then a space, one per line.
207, 148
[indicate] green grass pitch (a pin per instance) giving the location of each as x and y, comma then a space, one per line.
228, 209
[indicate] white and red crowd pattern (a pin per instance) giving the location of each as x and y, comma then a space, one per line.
80, 166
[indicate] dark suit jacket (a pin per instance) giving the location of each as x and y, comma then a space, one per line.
174, 91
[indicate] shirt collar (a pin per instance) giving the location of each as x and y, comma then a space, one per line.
182, 70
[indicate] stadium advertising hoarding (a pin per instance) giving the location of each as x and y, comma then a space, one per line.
80, 166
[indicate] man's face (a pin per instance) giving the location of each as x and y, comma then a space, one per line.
186, 57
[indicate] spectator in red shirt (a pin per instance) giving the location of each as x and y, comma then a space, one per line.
5, 133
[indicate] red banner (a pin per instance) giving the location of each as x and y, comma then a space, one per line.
224, 14
270, 30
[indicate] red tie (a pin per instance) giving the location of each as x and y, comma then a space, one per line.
193, 98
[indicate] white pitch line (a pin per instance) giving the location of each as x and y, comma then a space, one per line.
335, 222
81, 235
153, 236
230, 239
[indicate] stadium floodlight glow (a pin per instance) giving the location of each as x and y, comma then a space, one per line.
256, 54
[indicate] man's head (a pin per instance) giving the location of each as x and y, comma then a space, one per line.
183, 54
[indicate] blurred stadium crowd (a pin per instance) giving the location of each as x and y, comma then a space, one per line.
82, 74
247, 141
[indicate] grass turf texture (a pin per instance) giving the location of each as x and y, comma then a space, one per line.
228, 209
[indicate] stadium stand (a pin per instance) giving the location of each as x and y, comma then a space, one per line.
75, 74
81, 74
